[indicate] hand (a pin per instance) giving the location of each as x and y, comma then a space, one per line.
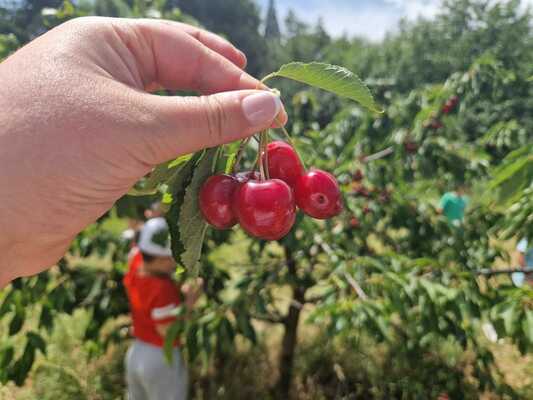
192, 292
78, 128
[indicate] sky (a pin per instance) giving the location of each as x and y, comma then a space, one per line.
369, 18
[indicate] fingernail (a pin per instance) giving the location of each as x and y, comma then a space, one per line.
261, 108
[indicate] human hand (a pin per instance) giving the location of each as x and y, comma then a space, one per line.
192, 291
78, 128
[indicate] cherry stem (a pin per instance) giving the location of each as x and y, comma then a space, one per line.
265, 150
289, 139
262, 155
240, 152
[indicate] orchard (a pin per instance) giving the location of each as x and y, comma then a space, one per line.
329, 270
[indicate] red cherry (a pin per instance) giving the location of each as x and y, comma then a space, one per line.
358, 176
410, 147
354, 222
450, 104
284, 163
436, 124
453, 100
318, 195
265, 209
215, 200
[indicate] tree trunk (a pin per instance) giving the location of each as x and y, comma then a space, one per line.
290, 335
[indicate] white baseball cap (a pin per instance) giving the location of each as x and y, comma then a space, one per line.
154, 239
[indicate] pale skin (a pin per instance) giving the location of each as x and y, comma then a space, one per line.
79, 127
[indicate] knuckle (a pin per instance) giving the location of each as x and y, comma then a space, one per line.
215, 116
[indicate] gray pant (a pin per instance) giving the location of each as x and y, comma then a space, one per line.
150, 377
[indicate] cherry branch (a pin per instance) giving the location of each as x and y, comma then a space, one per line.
378, 155
358, 289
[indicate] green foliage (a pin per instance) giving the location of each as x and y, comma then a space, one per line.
192, 225
332, 78
8, 44
32, 304
398, 285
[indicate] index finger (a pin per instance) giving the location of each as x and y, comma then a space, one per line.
175, 60
214, 42
172, 58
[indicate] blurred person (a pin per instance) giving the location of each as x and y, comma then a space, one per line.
131, 235
87, 125
525, 260
153, 298
155, 210
525, 251
453, 204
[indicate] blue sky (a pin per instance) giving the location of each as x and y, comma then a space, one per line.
368, 18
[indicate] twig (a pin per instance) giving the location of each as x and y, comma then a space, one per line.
353, 283
490, 272
378, 155
267, 318
315, 299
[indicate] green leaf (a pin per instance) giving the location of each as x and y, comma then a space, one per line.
16, 323
513, 176
170, 338
37, 341
192, 343
6, 356
231, 154
229, 162
192, 225
527, 325
245, 326
509, 318
161, 174
178, 183
329, 77
180, 160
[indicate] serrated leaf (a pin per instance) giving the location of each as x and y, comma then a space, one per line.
182, 177
192, 225
332, 78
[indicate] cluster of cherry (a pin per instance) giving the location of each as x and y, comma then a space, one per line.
266, 207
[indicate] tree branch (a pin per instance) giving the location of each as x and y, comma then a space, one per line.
378, 155
268, 318
353, 283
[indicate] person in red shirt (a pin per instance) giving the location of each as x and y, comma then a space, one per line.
153, 297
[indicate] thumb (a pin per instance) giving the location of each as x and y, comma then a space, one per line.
186, 124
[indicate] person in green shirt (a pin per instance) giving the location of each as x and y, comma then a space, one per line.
453, 204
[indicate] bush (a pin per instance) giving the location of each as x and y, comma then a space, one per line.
74, 368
